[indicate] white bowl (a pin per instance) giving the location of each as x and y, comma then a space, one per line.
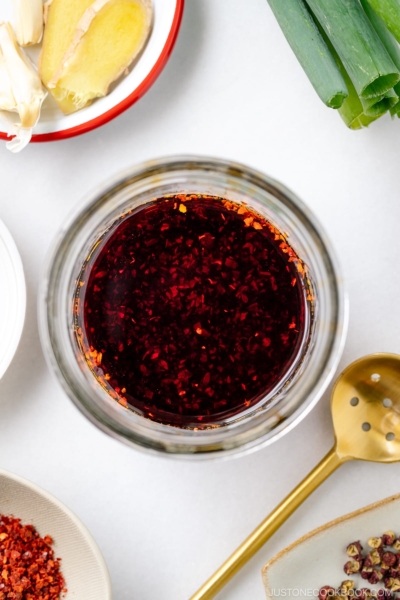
53, 125
82, 564
317, 559
12, 298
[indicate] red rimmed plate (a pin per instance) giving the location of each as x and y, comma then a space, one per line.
54, 125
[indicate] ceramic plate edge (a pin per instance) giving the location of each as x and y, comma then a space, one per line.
322, 528
80, 525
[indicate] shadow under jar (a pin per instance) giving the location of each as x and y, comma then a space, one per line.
193, 307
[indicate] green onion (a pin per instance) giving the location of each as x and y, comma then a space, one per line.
359, 47
352, 111
390, 44
375, 107
365, 121
310, 49
389, 12
386, 37
395, 110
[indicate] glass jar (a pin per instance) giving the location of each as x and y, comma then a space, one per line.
273, 415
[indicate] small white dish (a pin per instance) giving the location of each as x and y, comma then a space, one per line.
82, 564
317, 559
12, 298
53, 125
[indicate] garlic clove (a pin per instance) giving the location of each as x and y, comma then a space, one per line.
28, 21
7, 100
20, 136
24, 81
8, 122
20, 140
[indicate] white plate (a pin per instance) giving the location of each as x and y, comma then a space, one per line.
12, 298
82, 563
318, 558
54, 125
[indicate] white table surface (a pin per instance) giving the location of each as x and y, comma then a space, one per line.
231, 89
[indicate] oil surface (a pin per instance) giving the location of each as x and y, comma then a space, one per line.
191, 309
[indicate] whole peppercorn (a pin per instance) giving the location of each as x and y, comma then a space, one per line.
375, 577
376, 556
326, 592
384, 595
354, 549
392, 583
375, 542
366, 572
373, 558
346, 587
389, 538
353, 566
385, 571
368, 561
389, 559
396, 545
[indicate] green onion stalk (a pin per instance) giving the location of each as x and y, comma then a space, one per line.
359, 47
306, 41
389, 12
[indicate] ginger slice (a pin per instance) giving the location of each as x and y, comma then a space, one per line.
109, 36
62, 18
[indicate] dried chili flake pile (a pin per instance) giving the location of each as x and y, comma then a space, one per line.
29, 570
191, 309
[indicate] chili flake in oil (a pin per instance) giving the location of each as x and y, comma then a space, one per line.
191, 309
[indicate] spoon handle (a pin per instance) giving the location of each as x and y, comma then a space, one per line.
267, 528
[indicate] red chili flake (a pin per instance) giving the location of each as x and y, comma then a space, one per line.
232, 264
210, 319
29, 569
206, 379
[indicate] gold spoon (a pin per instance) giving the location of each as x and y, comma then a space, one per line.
365, 408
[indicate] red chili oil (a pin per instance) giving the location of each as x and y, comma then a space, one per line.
191, 309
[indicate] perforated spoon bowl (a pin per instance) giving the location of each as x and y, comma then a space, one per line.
365, 408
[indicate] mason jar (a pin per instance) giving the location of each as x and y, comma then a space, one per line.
326, 319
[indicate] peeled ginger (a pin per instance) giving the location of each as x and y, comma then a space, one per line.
108, 37
61, 19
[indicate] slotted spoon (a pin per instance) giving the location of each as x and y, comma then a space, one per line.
365, 409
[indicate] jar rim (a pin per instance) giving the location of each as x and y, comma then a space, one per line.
240, 437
